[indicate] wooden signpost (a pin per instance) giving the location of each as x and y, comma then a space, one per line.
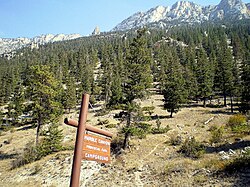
91, 143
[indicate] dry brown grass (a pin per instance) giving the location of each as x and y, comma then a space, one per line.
161, 159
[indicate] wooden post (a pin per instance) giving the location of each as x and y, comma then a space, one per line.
90, 128
76, 167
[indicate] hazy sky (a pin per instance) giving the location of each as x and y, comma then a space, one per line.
29, 18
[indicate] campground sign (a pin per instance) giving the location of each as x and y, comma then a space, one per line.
96, 148
91, 143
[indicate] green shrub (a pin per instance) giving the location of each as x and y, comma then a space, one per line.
237, 120
50, 144
160, 130
139, 129
192, 148
102, 112
242, 129
175, 140
103, 122
216, 134
29, 155
148, 110
111, 125
238, 124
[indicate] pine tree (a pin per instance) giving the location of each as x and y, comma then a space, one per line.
51, 142
43, 91
69, 97
245, 96
116, 85
173, 85
16, 103
225, 74
138, 70
138, 77
106, 78
204, 76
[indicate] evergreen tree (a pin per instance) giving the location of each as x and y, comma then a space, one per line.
51, 142
137, 67
106, 68
138, 78
116, 85
245, 96
16, 103
173, 85
204, 76
225, 76
69, 97
43, 91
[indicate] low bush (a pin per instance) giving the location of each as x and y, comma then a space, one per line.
159, 130
175, 140
148, 110
102, 112
192, 148
37, 169
102, 122
138, 129
238, 124
117, 144
50, 143
216, 134
29, 155
111, 125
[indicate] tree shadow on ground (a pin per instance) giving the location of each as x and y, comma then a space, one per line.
237, 170
227, 147
4, 156
27, 127
242, 178
155, 117
227, 112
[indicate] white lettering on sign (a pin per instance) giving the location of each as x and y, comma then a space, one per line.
90, 138
103, 142
97, 157
93, 147
104, 150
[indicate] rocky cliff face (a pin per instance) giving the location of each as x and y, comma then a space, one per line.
96, 31
230, 9
188, 12
9, 45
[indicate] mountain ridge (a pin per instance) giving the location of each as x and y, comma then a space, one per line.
185, 11
9, 45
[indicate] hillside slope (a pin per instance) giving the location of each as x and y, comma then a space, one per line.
152, 161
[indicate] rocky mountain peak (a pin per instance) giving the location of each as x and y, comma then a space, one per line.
188, 12
230, 3
184, 10
230, 9
96, 31
9, 45
183, 5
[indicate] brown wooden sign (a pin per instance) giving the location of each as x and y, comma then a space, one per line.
87, 146
96, 148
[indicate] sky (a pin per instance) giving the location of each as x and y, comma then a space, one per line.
30, 18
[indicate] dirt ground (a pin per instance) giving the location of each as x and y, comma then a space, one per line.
151, 161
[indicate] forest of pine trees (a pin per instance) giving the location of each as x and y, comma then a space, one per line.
186, 63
